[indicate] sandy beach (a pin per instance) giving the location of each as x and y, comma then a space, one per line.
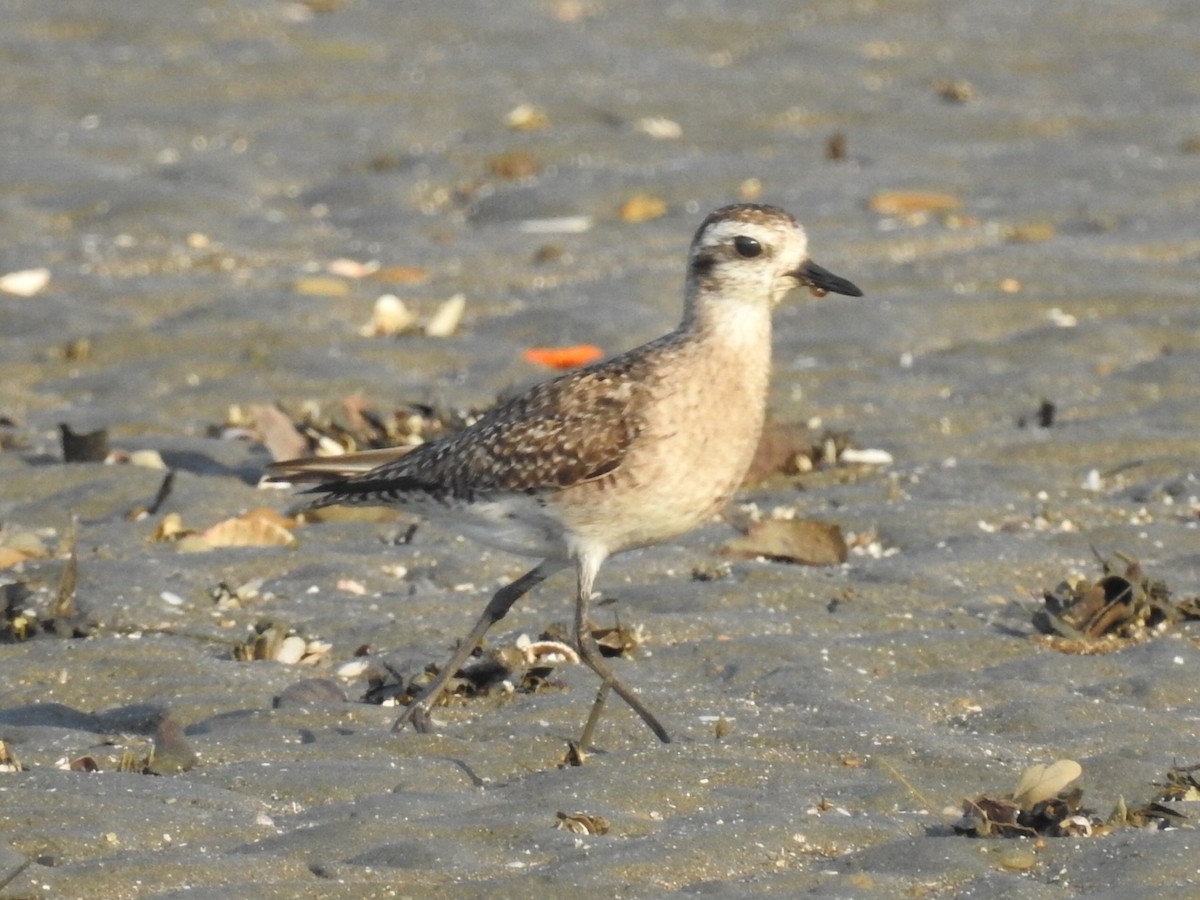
202, 204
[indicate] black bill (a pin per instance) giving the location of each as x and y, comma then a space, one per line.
822, 281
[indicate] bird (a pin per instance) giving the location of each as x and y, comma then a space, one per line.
621, 454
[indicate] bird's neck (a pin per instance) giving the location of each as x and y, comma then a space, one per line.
740, 326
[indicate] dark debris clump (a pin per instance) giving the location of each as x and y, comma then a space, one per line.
1045, 805
1124, 606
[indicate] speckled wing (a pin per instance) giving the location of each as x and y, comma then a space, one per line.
560, 433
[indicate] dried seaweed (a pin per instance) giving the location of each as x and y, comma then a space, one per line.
66, 617
524, 667
1043, 805
1181, 783
1125, 606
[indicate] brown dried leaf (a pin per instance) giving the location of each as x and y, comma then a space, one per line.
803, 541
791, 448
278, 434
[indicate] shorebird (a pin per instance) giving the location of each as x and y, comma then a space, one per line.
621, 454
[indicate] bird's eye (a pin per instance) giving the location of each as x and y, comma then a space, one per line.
747, 247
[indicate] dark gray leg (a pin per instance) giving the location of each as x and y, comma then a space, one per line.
417, 712
589, 652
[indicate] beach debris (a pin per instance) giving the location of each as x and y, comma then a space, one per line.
321, 286
955, 90
76, 350
90, 446
352, 426
63, 609
1041, 804
1125, 606
556, 225
257, 527
1181, 783
445, 320
835, 146
401, 274
581, 823
389, 317
227, 597
515, 165
523, 667
171, 752
711, 570
614, 640
563, 357
281, 438
659, 127
25, 282
9, 762
65, 618
642, 208
352, 268
20, 621
1042, 418
277, 642
803, 541
527, 117
83, 764
1027, 233
17, 545
574, 757
619, 640
797, 448
916, 208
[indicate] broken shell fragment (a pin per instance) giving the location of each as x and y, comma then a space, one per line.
389, 317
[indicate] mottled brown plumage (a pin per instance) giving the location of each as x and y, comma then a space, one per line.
621, 454
558, 434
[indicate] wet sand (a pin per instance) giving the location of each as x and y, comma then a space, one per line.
181, 170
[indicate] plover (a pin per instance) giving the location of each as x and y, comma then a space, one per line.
621, 454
